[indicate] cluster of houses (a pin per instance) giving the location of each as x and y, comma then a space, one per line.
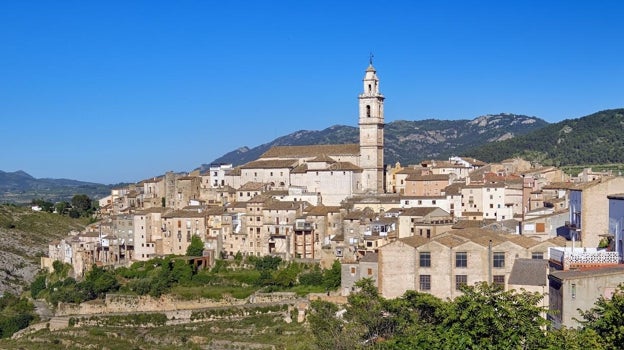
430, 227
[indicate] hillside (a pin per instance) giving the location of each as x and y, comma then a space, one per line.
407, 142
20, 187
593, 139
24, 237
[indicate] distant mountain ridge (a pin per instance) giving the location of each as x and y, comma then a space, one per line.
592, 139
21, 187
408, 142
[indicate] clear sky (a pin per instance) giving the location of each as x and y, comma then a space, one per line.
112, 91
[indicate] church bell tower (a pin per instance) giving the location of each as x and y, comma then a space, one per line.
371, 133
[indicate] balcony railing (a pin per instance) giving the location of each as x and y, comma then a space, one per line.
583, 257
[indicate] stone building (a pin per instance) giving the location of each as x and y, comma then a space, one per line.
442, 264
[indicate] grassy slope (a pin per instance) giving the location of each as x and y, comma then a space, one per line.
24, 238
257, 332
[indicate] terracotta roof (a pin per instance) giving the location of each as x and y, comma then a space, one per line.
370, 258
344, 166
153, 210
278, 205
323, 158
453, 189
432, 177
311, 151
450, 240
300, 169
421, 211
529, 272
184, 214
270, 164
322, 210
588, 273
252, 186
414, 241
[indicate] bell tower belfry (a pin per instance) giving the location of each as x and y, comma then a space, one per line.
371, 124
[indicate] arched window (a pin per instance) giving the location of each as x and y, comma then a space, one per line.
370, 88
368, 111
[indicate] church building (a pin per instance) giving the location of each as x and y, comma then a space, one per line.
335, 172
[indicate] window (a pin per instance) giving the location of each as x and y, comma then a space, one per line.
461, 259
460, 280
368, 111
424, 259
537, 255
573, 290
352, 270
499, 260
433, 202
370, 272
499, 280
425, 282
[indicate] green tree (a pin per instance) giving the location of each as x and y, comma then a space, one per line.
606, 318
38, 285
287, 277
196, 248
331, 277
486, 316
60, 207
330, 331
82, 203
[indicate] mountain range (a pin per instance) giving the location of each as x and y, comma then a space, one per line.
20, 187
407, 142
593, 139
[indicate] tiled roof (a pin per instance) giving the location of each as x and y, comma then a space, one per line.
322, 210
432, 177
422, 211
370, 257
414, 241
312, 151
184, 214
323, 158
270, 164
574, 274
529, 272
252, 186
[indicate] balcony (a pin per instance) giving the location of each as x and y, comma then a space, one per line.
571, 258
304, 226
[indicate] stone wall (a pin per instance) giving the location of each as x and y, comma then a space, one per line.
116, 303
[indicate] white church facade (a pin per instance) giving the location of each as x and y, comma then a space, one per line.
335, 172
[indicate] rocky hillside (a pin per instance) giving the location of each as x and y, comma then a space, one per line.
593, 139
407, 142
24, 238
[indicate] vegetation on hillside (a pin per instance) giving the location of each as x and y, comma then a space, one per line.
15, 314
175, 275
594, 139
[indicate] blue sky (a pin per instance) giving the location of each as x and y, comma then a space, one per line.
111, 91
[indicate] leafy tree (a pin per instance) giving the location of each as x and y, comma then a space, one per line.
331, 277
43, 204
60, 207
312, 278
196, 248
606, 318
182, 271
287, 277
81, 202
331, 332
368, 309
486, 316
38, 285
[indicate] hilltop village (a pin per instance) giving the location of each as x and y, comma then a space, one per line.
430, 227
